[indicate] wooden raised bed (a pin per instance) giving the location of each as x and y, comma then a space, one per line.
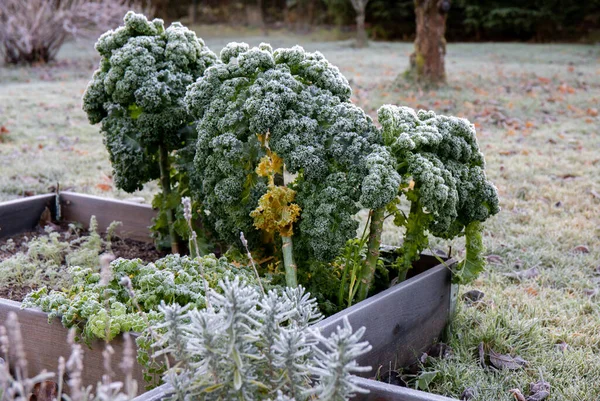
402, 321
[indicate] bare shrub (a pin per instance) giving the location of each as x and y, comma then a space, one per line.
33, 31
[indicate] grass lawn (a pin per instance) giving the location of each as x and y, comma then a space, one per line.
536, 111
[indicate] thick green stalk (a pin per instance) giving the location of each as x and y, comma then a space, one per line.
368, 271
287, 249
165, 182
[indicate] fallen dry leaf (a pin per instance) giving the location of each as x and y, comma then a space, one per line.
593, 112
468, 394
44, 391
472, 297
501, 361
517, 394
495, 259
104, 187
525, 274
580, 249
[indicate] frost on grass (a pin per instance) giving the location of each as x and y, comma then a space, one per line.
257, 346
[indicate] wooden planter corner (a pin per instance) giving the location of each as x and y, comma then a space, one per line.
402, 321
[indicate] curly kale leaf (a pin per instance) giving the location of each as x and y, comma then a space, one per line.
173, 280
302, 102
443, 170
137, 93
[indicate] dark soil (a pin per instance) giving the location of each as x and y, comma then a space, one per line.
120, 248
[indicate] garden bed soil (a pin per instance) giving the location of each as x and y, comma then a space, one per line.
119, 247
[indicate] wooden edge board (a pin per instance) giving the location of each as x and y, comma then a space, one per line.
23, 214
380, 391
45, 342
403, 321
135, 218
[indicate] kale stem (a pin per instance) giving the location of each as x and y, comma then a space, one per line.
165, 182
287, 249
368, 271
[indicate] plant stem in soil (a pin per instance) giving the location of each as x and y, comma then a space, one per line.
165, 182
288, 262
368, 271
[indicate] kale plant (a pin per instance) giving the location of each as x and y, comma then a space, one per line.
443, 178
253, 345
137, 95
264, 116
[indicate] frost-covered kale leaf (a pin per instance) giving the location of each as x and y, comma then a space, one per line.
330, 146
137, 93
443, 173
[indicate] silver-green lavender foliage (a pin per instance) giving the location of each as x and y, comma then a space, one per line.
137, 93
303, 103
256, 346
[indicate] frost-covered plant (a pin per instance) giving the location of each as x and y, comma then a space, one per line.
98, 305
253, 345
137, 95
443, 177
291, 106
48, 257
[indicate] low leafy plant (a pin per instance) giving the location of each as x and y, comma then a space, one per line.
137, 95
253, 345
49, 257
99, 306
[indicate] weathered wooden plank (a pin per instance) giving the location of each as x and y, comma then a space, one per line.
45, 342
379, 391
135, 218
23, 214
404, 320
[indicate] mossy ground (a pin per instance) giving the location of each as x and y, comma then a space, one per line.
536, 111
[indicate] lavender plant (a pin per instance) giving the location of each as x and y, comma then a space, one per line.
17, 385
253, 345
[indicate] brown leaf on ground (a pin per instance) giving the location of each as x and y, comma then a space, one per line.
501, 361
517, 394
539, 391
3, 130
581, 249
472, 297
468, 394
525, 274
592, 111
495, 259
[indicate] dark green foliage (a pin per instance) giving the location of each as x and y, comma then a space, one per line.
137, 93
302, 103
137, 96
444, 179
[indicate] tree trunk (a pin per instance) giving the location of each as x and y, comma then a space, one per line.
193, 12
427, 61
360, 7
